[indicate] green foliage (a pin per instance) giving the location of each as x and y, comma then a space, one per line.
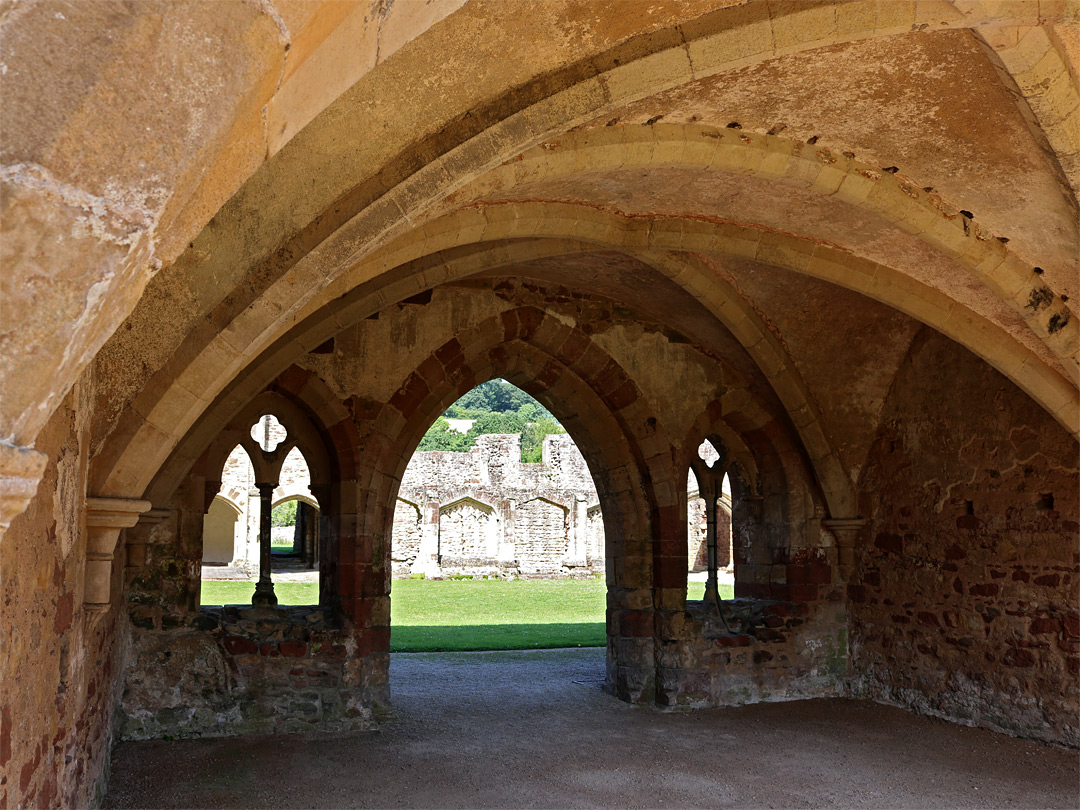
284, 514
441, 436
494, 422
532, 438
497, 407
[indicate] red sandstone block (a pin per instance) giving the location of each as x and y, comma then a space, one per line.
529, 319
269, 650
735, 641
891, 543
1071, 645
1071, 625
761, 656
573, 347
1073, 662
857, 594
780, 591
955, 553
1049, 580
293, 379
929, 619
5, 736
984, 589
818, 575
609, 378
751, 590
431, 371
968, 522
448, 352
360, 612
796, 574
1017, 657
622, 396
635, 623
804, 593
410, 396
64, 612
510, 325
292, 649
1040, 627
782, 610
237, 645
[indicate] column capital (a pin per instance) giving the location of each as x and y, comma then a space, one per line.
844, 528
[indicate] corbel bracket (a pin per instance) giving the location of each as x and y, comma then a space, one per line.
105, 519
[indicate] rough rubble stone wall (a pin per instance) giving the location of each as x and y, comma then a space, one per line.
243, 670
965, 604
407, 535
541, 527
59, 666
464, 528
759, 650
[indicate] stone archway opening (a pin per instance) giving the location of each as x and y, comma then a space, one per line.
699, 533
497, 516
233, 525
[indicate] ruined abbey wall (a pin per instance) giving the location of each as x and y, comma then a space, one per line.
487, 513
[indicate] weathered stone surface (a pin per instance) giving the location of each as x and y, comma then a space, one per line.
964, 604
639, 213
247, 671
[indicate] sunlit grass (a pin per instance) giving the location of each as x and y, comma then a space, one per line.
459, 615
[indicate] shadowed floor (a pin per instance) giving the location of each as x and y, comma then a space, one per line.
533, 729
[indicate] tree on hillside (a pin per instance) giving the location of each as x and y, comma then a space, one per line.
497, 396
497, 407
532, 438
440, 436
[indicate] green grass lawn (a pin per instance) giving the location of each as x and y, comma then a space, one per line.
459, 615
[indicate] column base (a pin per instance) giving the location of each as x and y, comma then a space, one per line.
264, 595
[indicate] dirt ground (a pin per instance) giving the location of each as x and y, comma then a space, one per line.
533, 729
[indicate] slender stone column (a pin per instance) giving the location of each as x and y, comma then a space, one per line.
264, 588
712, 500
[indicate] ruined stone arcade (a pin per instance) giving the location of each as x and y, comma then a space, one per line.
837, 240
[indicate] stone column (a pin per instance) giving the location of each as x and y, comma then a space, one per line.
105, 519
712, 499
264, 588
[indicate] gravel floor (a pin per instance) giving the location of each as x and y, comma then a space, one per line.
533, 729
